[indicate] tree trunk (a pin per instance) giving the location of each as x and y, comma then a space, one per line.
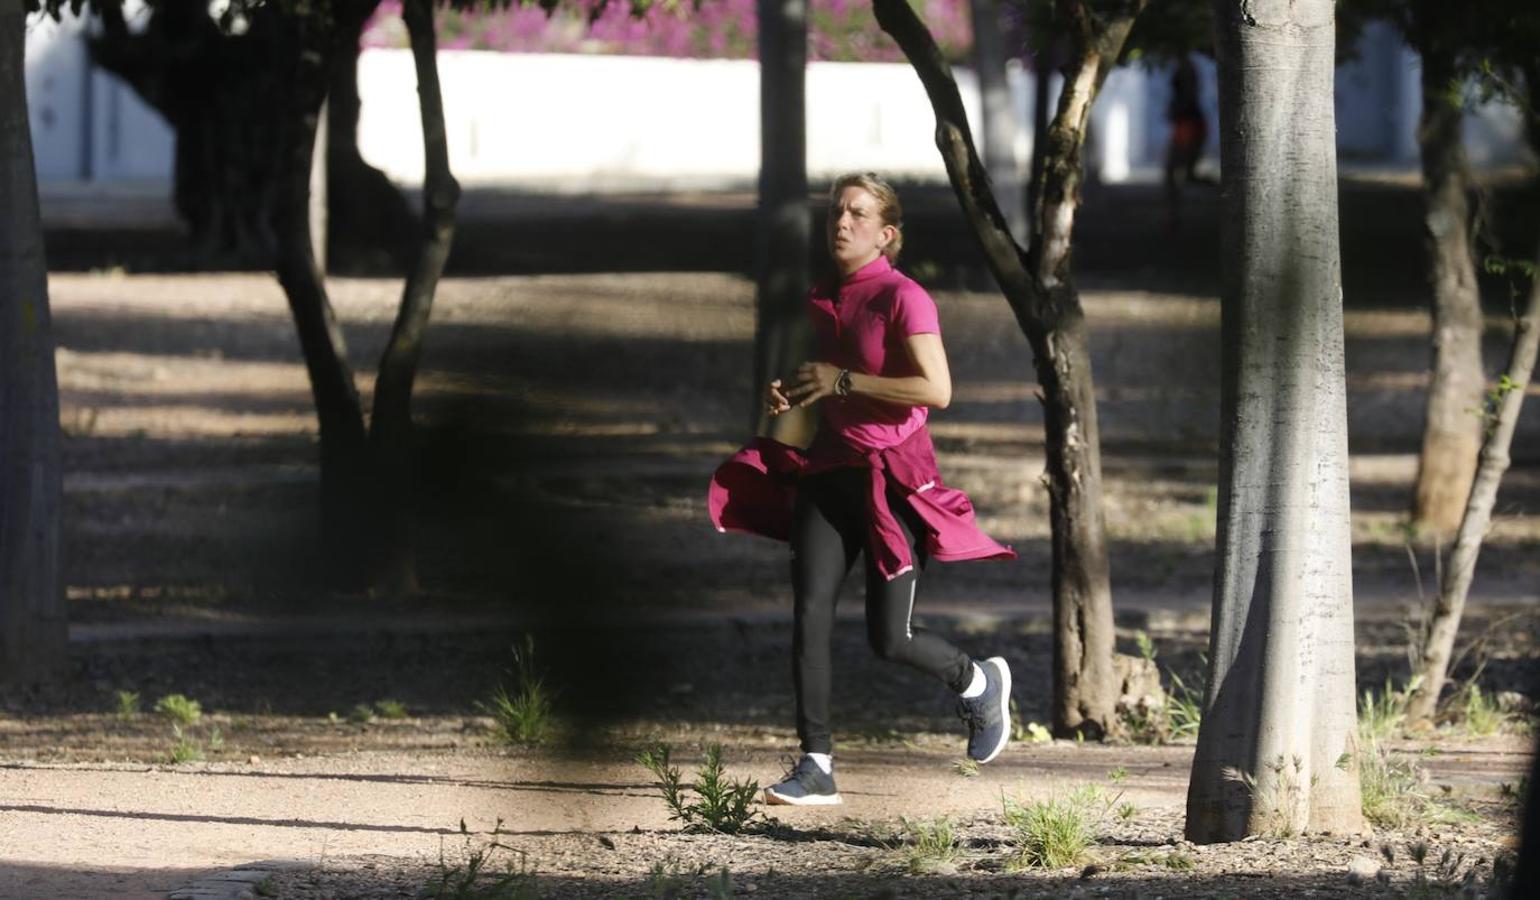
1277, 751
782, 336
391, 424
1433, 668
989, 55
1452, 433
371, 226
346, 470
1526, 874
33, 628
1038, 288
1042, 71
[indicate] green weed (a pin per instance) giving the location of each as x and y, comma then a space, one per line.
1279, 797
1480, 712
179, 710
1175, 860
128, 704
1145, 645
390, 709
1057, 832
476, 875
1451, 873
1177, 719
1127, 811
932, 845
1393, 794
1391, 788
1024, 731
361, 714
967, 768
185, 750
522, 716
721, 805
670, 880
1184, 709
1383, 715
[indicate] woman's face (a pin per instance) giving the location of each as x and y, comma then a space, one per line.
856, 232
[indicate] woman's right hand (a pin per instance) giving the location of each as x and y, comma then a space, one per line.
775, 401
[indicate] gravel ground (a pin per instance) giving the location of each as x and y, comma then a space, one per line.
1143, 858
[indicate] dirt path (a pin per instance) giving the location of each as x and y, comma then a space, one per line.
140, 831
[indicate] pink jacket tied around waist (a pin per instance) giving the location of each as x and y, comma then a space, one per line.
755, 489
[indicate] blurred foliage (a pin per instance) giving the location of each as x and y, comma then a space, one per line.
838, 30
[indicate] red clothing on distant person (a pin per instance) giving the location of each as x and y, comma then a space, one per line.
861, 324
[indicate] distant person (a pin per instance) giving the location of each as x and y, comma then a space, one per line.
1189, 134
867, 486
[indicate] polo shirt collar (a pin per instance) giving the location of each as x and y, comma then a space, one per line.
874, 269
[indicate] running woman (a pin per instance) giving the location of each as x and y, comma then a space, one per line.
866, 486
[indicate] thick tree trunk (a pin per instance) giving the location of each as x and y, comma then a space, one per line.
346, 469
1277, 748
1433, 668
782, 336
391, 424
1526, 874
33, 628
999, 127
1452, 433
370, 225
1038, 288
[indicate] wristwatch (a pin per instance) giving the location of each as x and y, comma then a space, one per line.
842, 383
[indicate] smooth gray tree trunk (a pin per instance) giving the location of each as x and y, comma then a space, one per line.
1451, 435
33, 629
1433, 668
999, 112
783, 338
1277, 751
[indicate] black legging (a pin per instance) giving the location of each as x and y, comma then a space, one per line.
829, 529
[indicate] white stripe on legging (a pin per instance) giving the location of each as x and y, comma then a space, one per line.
909, 619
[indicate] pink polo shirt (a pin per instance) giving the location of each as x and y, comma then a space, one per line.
861, 325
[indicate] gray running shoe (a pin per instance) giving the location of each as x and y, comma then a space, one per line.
989, 715
807, 785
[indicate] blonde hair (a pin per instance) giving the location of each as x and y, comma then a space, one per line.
888, 207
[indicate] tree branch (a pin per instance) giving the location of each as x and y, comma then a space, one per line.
970, 181
441, 193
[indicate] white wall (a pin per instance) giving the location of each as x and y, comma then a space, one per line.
595, 123
633, 121
88, 125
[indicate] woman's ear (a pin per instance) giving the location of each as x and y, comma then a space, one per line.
888, 234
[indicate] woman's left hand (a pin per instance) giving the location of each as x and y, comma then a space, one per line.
814, 381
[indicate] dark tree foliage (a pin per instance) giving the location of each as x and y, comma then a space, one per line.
218, 81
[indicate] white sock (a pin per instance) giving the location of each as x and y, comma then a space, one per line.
825, 761
977, 685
